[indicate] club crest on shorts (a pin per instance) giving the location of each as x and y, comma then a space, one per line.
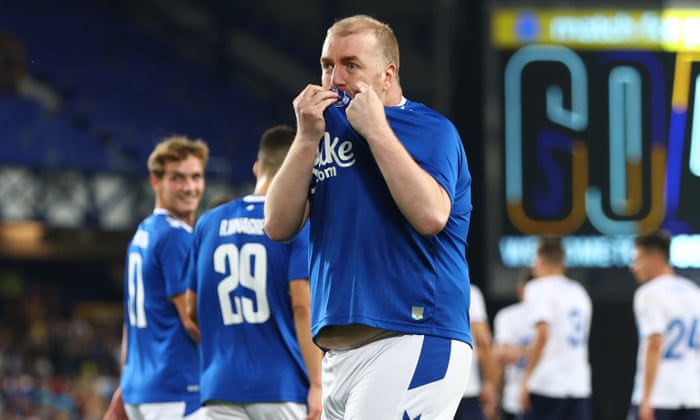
417, 313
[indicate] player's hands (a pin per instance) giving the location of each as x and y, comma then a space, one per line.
314, 403
646, 411
506, 354
488, 399
308, 108
366, 112
525, 398
116, 411
192, 329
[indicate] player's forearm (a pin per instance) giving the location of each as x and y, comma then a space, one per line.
180, 302
423, 202
537, 348
286, 199
486, 354
122, 353
191, 305
651, 364
310, 353
489, 365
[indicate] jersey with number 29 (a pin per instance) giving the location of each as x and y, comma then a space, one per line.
249, 350
670, 305
161, 358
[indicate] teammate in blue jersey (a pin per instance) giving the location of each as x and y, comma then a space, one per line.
160, 375
385, 184
258, 360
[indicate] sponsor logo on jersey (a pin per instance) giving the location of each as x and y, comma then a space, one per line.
333, 154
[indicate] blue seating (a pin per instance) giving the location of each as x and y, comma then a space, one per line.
122, 91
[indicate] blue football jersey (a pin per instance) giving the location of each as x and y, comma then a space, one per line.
368, 265
161, 360
249, 351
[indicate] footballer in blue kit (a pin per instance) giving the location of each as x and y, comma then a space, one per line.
160, 375
249, 350
385, 185
252, 306
161, 362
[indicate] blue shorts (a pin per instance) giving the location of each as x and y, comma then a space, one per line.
548, 408
668, 414
506, 415
469, 409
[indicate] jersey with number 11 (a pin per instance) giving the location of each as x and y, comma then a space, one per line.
161, 359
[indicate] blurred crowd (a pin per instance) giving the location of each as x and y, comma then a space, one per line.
55, 362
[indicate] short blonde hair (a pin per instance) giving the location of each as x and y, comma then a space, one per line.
386, 40
175, 149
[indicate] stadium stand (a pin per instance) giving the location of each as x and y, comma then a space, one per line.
100, 91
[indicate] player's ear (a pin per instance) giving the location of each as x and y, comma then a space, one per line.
256, 168
155, 181
389, 75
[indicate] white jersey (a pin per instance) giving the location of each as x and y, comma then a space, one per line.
670, 305
563, 369
511, 327
477, 314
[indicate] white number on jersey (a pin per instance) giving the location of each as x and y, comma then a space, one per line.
137, 298
681, 334
237, 264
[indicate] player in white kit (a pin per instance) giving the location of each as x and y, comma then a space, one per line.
557, 377
480, 398
667, 311
512, 336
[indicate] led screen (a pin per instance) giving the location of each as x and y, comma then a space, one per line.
599, 138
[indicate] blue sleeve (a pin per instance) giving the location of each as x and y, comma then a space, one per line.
299, 255
172, 259
442, 159
433, 142
189, 269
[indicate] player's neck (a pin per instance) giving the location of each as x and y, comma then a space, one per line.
666, 270
393, 96
185, 217
550, 271
262, 184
